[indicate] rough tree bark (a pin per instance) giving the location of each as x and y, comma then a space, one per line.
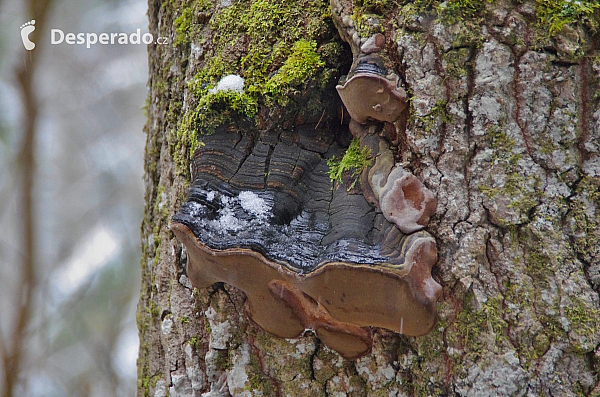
504, 128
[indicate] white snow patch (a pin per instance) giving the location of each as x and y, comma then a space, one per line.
210, 196
225, 200
195, 208
228, 220
254, 204
232, 82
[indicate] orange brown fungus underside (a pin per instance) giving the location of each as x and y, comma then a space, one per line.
413, 194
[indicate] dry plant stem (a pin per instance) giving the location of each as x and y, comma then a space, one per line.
12, 351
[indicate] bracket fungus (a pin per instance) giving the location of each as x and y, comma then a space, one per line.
263, 216
371, 92
405, 201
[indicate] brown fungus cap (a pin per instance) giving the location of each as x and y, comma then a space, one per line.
307, 253
405, 201
370, 92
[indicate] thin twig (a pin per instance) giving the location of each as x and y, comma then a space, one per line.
323, 114
3, 353
12, 355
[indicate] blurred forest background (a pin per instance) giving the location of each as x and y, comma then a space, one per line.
71, 197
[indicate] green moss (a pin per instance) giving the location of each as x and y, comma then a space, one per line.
455, 62
438, 113
585, 321
541, 344
272, 45
547, 147
469, 335
586, 222
223, 361
369, 15
468, 15
186, 22
333, 54
376, 6
145, 383
183, 25
477, 326
194, 343
554, 15
186, 141
367, 24
258, 382
524, 297
145, 316
459, 10
524, 192
466, 18
152, 309
538, 265
431, 351
274, 30
214, 109
301, 64
454, 11
160, 214
354, 161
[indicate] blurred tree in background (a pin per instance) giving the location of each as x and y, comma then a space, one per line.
70, 204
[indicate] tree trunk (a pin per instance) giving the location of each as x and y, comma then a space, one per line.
503, 127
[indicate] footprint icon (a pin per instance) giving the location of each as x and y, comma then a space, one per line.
26, 29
